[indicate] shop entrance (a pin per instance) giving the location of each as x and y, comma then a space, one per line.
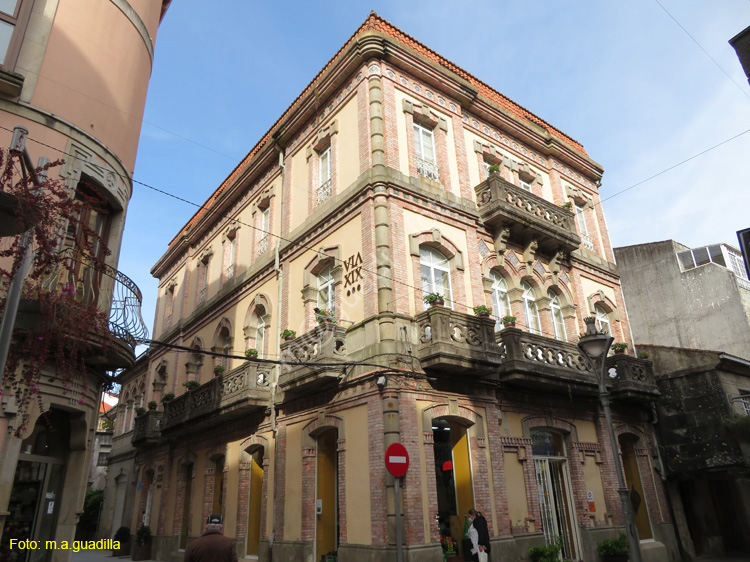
36, 495
554, 489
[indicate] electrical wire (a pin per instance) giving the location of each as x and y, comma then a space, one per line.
211, 211
713, 60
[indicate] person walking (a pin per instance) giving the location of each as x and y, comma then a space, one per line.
212, 545
482, 533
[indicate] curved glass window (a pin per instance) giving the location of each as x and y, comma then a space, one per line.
326, 296
500, 300
530, 310
555, 310
602, 319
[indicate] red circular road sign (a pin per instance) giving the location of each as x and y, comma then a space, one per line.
396, 459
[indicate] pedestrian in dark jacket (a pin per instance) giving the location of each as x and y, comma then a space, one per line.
483, 531
212, 546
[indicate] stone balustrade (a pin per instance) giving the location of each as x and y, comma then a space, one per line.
147, 429
631, 378
456, 343
229, 396
528, 217
307, 359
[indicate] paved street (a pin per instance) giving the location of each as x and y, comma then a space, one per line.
105, 556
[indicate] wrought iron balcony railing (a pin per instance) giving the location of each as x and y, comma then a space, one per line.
326, 343
455, 342
229, 396
527, 216
263, 245
428, 170
324, 191
106, 288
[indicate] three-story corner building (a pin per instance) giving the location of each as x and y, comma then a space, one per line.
393, 176
74, 73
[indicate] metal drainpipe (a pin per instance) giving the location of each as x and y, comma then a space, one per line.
277, 368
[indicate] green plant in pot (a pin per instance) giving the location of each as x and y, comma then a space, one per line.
153, 405
251, 353
619, 348
219, 370
614, 550
142, 548
121, 542
482, 311
169, 396
493, 169
509, 321
140, 411
546, 553
288, 334
191, 385
434, 299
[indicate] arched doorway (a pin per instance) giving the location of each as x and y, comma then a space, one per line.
255, 500
555, 492
36, 496
633, 478
454, 486
326, 502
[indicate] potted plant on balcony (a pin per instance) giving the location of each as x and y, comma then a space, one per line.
168, 397
191, 385
251, 353
288, 334
140, 411
482, 311
324, 316
494, 169
643, 355
508, 321
152, 405
434, 299
142, 549
219, 370
614, 550
619, 348
568, 205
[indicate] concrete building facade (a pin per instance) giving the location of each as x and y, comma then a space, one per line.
74, 73
695, 298
298, 346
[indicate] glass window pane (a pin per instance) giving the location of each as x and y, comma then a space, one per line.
6, 32
701, 256
8, 6
686, 260
716, 255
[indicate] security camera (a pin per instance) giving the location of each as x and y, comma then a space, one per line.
380, 382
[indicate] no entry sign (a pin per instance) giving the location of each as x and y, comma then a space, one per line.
396, 459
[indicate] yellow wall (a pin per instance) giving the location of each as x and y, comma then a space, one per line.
414, 223
359, 529
592, 477
586, 431
347, 144
518, 507
299, 192
589, 287
349, 239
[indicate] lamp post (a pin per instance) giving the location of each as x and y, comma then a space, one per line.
595, 344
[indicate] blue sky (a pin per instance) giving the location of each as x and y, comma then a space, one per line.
622, 78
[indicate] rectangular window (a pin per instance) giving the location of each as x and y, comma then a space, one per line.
424, 146
745, 394
525, 185
325, 166
265, 227
14, 16
583, 228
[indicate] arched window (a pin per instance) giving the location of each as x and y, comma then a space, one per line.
555, 310
326, 294
500, 300
435, 274
602, 319
260, 334
530, 310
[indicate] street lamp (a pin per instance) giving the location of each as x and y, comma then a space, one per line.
595, 344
